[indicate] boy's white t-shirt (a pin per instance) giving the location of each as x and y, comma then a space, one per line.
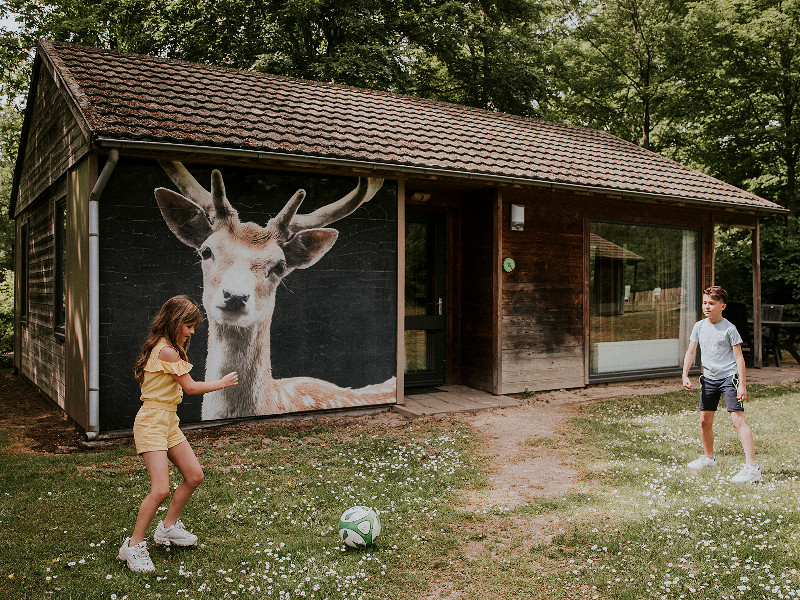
716, 342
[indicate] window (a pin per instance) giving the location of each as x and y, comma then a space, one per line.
23, 273
643, 296
60, 270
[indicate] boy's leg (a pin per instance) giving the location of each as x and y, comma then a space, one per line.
158, 469
745, 436
707, 432
183, 457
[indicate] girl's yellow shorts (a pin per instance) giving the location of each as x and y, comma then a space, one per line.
156, 427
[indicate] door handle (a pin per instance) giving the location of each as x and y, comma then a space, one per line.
439, 304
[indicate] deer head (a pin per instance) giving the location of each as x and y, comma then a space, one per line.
243, 263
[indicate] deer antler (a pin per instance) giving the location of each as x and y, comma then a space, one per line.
288, 223
214, 203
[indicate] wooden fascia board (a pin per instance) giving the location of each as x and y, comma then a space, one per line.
201, 154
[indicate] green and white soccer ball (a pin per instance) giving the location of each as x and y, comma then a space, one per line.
359, 526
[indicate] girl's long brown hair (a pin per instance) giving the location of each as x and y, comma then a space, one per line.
176, 311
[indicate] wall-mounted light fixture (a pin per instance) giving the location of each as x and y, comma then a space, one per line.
517, 217
420, 197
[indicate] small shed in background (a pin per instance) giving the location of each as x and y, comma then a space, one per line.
140, 178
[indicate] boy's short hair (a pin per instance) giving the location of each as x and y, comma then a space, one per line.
717, 292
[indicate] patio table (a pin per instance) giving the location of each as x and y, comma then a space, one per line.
792, 329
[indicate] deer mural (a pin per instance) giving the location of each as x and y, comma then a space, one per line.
243, 264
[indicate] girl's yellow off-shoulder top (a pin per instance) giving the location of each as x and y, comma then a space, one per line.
158, 385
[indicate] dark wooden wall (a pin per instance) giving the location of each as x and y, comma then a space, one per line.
544, 301
41, 350
54, 141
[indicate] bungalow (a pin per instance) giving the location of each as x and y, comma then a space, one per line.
345, 244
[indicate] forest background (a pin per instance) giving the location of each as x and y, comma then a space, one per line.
713, 84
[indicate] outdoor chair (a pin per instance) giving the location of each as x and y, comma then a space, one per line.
769, 335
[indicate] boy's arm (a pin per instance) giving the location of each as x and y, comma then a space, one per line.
688, 361
741, 391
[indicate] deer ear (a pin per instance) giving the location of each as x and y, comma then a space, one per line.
187, 220
307, 247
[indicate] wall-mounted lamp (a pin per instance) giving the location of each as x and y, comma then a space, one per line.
420, 197
517, 217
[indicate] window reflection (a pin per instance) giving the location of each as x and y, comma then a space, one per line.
643, 295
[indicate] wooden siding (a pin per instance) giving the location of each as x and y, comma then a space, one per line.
41, 352
54, 142
544, 300
541, 337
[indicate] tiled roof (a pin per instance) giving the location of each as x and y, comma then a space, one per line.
142, 98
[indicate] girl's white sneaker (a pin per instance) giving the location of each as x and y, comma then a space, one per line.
137, 557
176, 534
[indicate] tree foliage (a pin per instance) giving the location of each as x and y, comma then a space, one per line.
712, 83
615, 67
744, 94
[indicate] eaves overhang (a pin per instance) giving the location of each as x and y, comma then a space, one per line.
189, 150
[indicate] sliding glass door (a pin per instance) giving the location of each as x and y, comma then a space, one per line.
644, 296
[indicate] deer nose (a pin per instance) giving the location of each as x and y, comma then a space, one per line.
234, 301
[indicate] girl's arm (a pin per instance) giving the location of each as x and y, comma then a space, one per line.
189, 385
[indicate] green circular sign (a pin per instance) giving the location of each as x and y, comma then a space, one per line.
508, 265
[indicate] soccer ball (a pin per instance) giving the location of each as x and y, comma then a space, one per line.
359, 526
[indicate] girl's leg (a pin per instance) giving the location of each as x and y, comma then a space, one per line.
158, 469
183, 457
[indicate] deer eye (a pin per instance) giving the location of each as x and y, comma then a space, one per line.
278, 269
205, 253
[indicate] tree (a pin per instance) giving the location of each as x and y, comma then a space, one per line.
614, 67
743, 87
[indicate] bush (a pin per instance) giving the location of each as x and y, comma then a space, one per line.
7, 311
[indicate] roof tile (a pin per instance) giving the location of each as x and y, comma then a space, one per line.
143, 98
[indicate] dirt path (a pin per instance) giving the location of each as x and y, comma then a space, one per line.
520, 441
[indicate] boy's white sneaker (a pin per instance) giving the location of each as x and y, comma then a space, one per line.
748, 474
137, 557
702, 463
176, 534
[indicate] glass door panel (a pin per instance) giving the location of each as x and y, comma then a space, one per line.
424, 299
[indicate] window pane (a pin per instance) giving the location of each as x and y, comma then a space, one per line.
419, 351
644, 295
419, 276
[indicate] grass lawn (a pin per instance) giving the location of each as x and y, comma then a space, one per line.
638, 524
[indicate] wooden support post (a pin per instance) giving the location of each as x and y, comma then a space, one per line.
401, 290
497, 295
756, 250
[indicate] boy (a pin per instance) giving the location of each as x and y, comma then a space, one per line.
721, 357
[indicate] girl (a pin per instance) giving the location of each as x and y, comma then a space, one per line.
162, 371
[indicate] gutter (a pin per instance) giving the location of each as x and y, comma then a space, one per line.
94, 294
321, 161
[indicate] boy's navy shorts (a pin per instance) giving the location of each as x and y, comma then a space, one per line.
712, 389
